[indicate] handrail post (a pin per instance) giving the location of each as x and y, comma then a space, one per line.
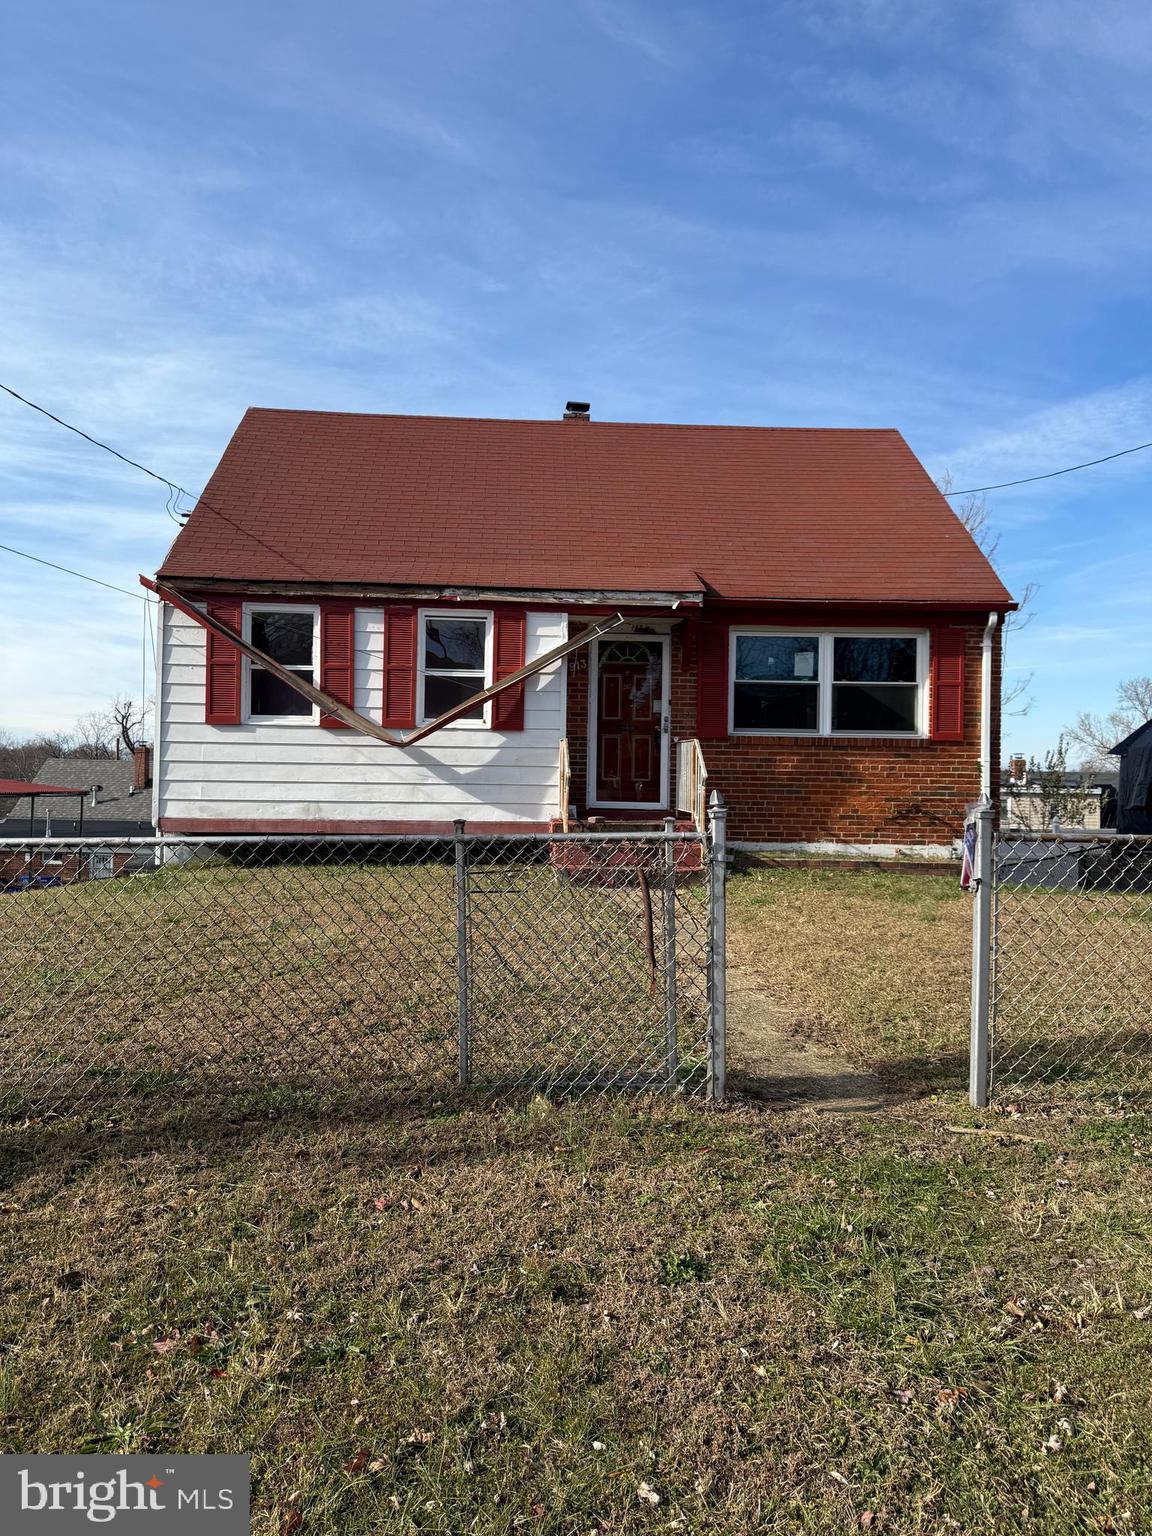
463, 1044
717, 893
980, 1041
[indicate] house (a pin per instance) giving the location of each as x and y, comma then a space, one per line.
1032, 799
799, 610
80, 797
1134, 794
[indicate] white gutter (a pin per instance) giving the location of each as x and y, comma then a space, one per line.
986, 710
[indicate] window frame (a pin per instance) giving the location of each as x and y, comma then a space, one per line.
482, 615
826, 682
246, 715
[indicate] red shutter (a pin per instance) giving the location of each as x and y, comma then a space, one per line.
222, 667
338, 658
399, 667
712, 683
508, 636
947, 685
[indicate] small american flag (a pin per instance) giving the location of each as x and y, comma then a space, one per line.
967, 866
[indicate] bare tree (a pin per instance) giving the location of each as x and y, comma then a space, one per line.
91, 736
127, 718
974, 513
22, 758
1096, 735
110, 731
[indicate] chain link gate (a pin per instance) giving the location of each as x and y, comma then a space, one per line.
1062, 965
263, 972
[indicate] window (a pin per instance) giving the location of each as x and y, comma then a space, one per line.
777, 684
288, 635
825, 684
875, 683
453, 662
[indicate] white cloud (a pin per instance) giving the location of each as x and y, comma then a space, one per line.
1069, 432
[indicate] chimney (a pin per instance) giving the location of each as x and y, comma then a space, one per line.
577, 410
1017, 770
141, 768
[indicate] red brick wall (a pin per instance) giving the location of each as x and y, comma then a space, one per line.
832, 789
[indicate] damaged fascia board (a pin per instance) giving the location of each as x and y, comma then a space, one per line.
429, 594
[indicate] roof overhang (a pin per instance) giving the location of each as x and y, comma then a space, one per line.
26, 787
191, 586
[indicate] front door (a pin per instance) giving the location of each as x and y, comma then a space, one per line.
629, 723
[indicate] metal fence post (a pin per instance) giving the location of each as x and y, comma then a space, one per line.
980, 1043
671, 1004
463, 1044
717, 983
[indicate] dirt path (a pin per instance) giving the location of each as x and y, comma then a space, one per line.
767, 1060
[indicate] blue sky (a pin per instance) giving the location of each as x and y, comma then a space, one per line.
936, 216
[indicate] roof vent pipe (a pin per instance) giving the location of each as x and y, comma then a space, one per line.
577, 410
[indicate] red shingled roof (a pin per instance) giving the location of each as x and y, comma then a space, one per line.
785, 513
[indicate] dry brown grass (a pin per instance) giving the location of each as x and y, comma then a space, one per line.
875, 965
616, 1318
216, 979
519, 1321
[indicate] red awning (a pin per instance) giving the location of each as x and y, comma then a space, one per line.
26, 787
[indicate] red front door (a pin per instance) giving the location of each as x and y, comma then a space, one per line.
629, 717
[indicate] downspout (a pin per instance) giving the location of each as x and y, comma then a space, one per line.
986, 710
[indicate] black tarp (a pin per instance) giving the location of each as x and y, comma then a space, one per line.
1134, 798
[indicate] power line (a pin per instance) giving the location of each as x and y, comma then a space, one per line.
24, 555
1052, 473
177, 491
174, 489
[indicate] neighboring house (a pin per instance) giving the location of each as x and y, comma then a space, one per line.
1031, 800
109, 797
116, 795
802, 603
1134, 795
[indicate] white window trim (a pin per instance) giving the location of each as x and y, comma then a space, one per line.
484, 615
246, 689
825, 681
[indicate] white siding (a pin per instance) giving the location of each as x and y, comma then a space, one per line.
302, 773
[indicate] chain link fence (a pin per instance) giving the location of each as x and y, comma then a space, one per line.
260, 973
1070, 964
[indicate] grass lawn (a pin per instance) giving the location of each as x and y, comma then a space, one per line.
618, 1317
214, 978
874, 965
608, 1319
877, 966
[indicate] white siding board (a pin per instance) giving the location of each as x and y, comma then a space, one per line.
304, 773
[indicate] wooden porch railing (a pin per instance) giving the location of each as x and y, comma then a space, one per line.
565, 782
692, 782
